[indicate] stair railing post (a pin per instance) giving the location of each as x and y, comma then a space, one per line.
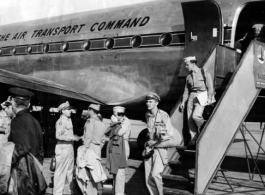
246, 152
261, 139
252, 156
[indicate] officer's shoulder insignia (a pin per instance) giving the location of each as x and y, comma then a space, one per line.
60, 123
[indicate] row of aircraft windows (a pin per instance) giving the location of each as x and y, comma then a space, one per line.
137, 41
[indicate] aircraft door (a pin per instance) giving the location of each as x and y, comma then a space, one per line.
203, 28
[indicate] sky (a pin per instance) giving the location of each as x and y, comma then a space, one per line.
12, 11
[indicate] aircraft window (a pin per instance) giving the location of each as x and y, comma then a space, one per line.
29, 49
165, 39
46, 47
14, 50
109, 43
64, 46
126, 42
86, 45
136, 41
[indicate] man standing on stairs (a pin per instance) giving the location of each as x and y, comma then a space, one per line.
199, 93
159, 129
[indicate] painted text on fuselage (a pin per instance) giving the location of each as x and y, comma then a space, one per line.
117, 24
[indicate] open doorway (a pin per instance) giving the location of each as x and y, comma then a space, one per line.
250, 26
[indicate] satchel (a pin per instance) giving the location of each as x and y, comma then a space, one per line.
208, 111
147, 153
53, 164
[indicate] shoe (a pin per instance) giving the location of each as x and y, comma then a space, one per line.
176, 162
181, 147
191, 143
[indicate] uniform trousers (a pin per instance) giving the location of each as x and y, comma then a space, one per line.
64, 167
153, 169
119, 178
97, 188
195, 119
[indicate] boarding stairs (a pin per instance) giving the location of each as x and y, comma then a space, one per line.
195, 170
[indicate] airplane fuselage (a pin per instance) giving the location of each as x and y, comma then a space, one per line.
115, 56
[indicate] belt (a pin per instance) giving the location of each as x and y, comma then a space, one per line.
64, 142
197, 91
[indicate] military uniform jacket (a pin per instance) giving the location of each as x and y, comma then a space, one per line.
160, 118
64, 129
26, 132
199, 80
94, 132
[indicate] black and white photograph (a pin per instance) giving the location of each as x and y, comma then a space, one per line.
139, 97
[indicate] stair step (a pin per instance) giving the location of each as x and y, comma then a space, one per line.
178, 178
176, 191
188, 153
182, 163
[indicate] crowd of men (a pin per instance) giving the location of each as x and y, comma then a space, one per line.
21, 136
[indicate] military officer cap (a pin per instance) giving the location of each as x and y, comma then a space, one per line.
94, 107
20, 93
119, 109
64, 106
152, 96
190, 58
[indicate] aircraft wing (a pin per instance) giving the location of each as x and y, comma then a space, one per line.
43, 85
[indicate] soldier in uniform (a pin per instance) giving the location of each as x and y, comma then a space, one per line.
6, 114
64, 150
94, 136
125, 131
159, 129
199, 93
26, 131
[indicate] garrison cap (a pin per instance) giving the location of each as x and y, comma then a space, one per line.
64, 106
152, 95
119, 109
20, 93
257, 26
94, 107
189, 58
